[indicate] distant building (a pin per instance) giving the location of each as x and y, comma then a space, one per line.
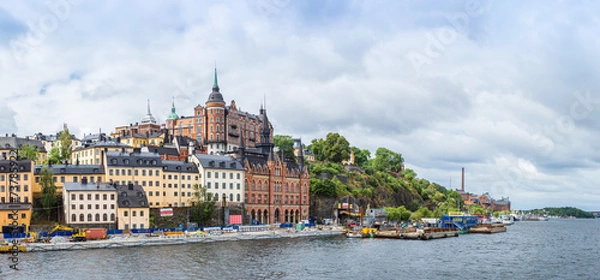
93, 152
133, 211
89, 204
146, 132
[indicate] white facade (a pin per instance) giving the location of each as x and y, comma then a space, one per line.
89, 203
221, 175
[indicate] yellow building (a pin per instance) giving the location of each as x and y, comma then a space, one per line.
94, 152
21, 197
69, 173
23, 216
10, 143
166, 183
178, 183
133, 211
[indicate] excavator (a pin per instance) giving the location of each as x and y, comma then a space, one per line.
76, 234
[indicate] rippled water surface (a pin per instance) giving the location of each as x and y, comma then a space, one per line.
555, 249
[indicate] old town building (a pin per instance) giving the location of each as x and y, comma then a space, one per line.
21, 197
132, 211
222, 176
218, 127
89, 204
277, 189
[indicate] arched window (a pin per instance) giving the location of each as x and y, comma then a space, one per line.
259, 185
97, 217
104, 217
73, 218
112, 217
89, 217
231, 197
81, 218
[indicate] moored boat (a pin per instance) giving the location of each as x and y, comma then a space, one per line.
488, 228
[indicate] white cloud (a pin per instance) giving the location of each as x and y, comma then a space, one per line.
495, 98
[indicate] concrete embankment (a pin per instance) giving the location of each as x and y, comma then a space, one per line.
187, 238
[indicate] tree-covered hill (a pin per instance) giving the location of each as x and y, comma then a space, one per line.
380, 182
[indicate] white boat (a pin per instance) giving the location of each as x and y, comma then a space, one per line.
507, 220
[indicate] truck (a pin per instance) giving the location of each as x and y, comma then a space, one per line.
81, 234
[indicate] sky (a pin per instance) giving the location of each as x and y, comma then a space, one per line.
506, 89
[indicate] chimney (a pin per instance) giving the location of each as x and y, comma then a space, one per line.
462, 185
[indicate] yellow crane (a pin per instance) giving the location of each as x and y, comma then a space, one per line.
77, 234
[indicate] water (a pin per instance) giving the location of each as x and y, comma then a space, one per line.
555, 249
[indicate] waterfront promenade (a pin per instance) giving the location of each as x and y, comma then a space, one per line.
133, 240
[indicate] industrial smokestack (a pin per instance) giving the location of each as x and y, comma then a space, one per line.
462, 185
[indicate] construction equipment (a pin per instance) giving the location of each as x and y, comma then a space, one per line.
76, 234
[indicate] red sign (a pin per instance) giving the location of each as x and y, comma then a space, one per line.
344, 205
235, 219
166, 212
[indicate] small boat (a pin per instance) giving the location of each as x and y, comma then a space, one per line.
354, 234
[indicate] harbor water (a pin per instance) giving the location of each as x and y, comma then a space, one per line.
554, 249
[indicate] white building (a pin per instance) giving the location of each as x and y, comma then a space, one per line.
221, 175
89, 204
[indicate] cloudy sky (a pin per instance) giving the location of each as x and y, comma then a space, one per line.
505, 89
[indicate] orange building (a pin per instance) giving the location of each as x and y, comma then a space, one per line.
217, 127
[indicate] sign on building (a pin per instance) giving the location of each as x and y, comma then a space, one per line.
166, 212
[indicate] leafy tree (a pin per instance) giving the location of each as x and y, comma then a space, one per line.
285, 143
29, 152
476, 209
65, 139
203, 205
48, 197
361, 157
386, 160
336, 148
398, 214
316, 147
54, 156
423, 212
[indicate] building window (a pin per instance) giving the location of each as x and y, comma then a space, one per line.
238, 176
231, 186
81, 218
208, 174
89, 217
133, 213
230, 197
157, 193
89, 196
126, 214
216, 185
89, 207
104, 197
73, 196
97, 217
97, 206
73, 206
104, 217
238, 197
141, 213
238, 186
80, 206
216, 175
97, 196
104, 206
208, 185
112, 217
112, 206
73, 218
112, 196
62, 179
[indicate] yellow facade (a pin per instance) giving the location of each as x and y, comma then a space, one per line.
69, 174
94, 153
15, 214
133, 218
22, 181
149, 177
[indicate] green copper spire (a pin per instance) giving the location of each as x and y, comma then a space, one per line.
173, 115
216, 84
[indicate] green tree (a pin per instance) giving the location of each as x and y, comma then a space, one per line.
316, 147
285, 143
361, 157
48, 197
29, 152
386, 160
203, 205
423, 212
54, 156
336, 148
65, 139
